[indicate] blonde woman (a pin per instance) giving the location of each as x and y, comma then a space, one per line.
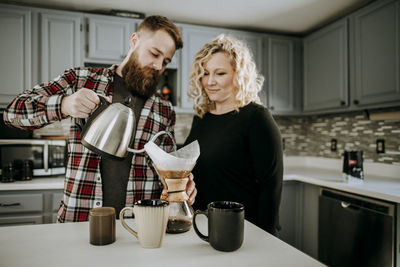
240, 143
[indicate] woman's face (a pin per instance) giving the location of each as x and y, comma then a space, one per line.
218, 79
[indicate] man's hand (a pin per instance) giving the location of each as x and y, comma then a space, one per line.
81, 103
191, 190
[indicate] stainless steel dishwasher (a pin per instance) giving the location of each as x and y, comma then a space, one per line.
355, 230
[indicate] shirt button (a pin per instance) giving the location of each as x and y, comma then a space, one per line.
98, 179
98, 203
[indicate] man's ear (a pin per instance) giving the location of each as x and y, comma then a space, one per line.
134, 40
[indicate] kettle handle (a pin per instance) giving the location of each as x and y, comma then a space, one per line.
152, 140
103, 105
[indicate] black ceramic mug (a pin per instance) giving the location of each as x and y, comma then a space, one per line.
225, 225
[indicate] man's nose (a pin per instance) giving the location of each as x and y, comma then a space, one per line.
158, 64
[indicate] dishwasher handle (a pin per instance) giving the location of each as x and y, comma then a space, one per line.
356, 202
345, 204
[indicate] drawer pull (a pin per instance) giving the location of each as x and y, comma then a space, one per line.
10, 204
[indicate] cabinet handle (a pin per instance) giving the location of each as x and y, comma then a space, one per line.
272, 108
342, 103
10, 204
356, 102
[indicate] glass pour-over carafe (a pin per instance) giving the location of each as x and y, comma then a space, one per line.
173, 169
180, 211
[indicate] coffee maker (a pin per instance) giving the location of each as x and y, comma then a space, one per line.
353, 165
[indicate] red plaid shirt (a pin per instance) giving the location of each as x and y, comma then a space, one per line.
83, 183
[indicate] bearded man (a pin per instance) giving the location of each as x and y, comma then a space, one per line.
92, 181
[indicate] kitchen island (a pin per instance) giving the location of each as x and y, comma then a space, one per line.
68, 245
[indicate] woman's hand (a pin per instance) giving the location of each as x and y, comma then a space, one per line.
191, 190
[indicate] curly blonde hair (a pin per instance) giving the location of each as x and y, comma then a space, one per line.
247, 81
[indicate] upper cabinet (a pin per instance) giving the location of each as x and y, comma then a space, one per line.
108, 38
282, 75
326, 68
194, 37
60, 42
375, 60
15, 52
367, 75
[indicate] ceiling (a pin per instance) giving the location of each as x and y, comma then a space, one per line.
285, 16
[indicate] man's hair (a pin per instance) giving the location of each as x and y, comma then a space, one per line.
155, 23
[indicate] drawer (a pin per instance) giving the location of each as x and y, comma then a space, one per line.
12, 203
21, 220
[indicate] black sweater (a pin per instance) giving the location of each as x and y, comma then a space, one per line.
240, 160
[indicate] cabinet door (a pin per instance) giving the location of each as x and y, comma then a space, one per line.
309, 224
281, 75
254, 42
376, 68
289, 213
194, 39
15, 52
60, 43
326, 68
21, 220
108, 37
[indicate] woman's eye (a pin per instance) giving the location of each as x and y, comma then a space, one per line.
205, 74
221, 73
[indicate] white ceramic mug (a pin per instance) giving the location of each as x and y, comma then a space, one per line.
151, 218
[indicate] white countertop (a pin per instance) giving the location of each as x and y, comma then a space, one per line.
377, 187
68, 245
47, 183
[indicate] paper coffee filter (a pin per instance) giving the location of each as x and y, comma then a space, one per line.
182, 159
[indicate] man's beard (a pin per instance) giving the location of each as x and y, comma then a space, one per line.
142, 81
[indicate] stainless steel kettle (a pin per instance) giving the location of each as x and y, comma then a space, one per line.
109, 129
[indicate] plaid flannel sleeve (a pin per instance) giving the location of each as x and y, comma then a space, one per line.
40, 106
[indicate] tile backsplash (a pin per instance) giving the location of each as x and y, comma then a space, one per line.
310, 135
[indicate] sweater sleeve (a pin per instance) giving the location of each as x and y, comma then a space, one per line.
266, 152
40, 106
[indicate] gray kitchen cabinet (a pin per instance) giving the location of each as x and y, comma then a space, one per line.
326, 68
18, 208
15, 52
29, 207
282, 75
375, 54
60, 43
298, 216
290, 213
194, 37
255, 43
108, 38
309, 220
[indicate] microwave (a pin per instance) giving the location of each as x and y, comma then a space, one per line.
48, 157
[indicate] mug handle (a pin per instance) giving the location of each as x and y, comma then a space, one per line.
205, 238
121, 217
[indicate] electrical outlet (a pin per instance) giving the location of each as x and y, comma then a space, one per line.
333, 144
380, 146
